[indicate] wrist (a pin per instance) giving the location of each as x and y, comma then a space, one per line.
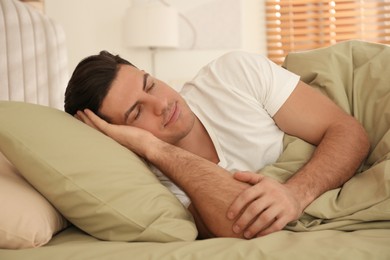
301, 194
153, 148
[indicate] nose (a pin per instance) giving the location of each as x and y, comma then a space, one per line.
159, 105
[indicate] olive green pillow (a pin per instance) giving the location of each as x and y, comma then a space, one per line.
97, 184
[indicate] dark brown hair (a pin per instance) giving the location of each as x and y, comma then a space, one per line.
91, 81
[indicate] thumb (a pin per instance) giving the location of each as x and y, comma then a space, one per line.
248, 177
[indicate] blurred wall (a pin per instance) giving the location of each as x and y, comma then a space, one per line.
94, 25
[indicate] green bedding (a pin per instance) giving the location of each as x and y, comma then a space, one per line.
351, 222
356, 76
326, 244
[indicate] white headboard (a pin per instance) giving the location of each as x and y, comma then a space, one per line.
33, 57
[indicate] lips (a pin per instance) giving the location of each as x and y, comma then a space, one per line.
173, 114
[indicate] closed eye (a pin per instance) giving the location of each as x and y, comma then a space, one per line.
150, 87
131, 111
138, 112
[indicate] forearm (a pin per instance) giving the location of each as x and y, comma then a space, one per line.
210, 188
268, 206
334, 161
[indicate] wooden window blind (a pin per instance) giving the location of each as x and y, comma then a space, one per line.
296, 25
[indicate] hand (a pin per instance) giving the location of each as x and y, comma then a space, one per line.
135, 139
80, 115
263, 208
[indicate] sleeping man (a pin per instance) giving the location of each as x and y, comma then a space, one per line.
212, 139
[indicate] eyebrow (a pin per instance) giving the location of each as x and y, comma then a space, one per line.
128, 112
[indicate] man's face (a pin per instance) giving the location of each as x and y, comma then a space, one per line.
135, 98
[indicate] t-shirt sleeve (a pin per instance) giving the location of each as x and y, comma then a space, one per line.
256, 76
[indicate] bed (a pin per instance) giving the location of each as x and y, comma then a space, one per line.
69, 192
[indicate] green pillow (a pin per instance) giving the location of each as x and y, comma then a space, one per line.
97, 184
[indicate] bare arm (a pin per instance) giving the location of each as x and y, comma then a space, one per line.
342, 144
210, 188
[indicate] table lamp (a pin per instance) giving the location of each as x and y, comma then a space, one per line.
151, 25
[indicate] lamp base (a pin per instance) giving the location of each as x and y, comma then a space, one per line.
153, 51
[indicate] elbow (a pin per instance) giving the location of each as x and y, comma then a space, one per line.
213, 228
359, 139
363, 140
226, 232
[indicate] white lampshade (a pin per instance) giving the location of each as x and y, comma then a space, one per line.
151, 25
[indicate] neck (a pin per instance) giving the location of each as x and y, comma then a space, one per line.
199, 142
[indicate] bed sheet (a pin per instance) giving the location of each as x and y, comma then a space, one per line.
327, 244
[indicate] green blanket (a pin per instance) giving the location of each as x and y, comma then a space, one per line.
356, 75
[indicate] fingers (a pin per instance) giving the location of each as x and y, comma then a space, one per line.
96, 121
136, 139
269, 220
263, 208
248, 177
80, 115
255, 208
247, 195
277, 225
90, 118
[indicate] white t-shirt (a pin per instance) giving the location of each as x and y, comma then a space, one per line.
235, 98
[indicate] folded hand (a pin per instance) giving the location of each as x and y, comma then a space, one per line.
263, 208
133, 138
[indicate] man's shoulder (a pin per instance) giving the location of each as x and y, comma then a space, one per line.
238, 55
238, 59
